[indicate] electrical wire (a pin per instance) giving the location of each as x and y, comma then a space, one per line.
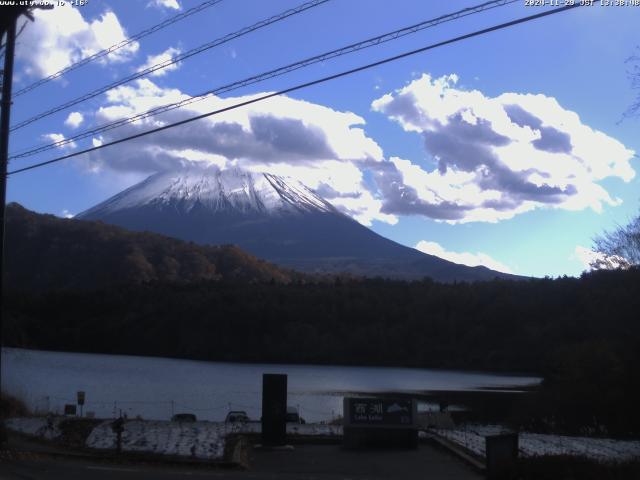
195, 51
304, 85
119, 45
354, 47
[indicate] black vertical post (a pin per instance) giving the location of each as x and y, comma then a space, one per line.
5, 109
118, 427
274, 409
502, 456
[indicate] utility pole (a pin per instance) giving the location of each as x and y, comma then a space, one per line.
9, 31
8, 27
8, 20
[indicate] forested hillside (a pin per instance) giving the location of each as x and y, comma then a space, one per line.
44, 251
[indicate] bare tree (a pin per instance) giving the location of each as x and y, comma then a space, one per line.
634, 76
620, 247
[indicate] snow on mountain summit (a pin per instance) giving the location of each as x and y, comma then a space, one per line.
233, 191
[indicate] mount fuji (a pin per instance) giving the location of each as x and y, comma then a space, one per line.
274, 218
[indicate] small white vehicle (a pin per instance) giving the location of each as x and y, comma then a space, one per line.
293, 416
235, 416
184, 417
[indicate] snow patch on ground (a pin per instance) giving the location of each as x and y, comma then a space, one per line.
472, 437
203, 440
43, 427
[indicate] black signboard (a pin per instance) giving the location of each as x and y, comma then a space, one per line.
274, 409
379, 411
380, 422
80, 399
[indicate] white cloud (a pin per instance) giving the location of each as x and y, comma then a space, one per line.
67, 214
161, 59
339, 182
59, 137
74, 120
464, 258
61, 36
170, 4
280, 129
495, 157
592, 260
325, 149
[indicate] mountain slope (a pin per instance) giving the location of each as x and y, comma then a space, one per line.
44, 251
276, 219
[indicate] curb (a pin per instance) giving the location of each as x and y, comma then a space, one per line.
297, 439
238, 453
471, 458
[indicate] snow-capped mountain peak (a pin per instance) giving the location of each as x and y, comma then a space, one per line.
233, 191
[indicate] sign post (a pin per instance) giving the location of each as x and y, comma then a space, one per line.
118, 427
70, 409
80, 400
380, 422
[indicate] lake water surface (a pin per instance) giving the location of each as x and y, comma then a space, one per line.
157, 387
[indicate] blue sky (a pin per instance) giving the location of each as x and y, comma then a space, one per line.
506, 149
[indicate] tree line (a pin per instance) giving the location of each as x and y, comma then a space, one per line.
581, 334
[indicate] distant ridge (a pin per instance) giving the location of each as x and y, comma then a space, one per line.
47, 252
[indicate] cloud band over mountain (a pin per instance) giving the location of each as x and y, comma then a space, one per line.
495, 157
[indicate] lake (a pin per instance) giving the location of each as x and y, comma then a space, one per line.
155, 388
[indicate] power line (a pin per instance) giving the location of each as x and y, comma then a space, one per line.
354, 47
119, 45
215, 43
304, 85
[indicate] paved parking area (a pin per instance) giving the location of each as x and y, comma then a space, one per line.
331, 461
304, 462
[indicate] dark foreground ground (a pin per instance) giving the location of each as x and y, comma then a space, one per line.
303, 462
